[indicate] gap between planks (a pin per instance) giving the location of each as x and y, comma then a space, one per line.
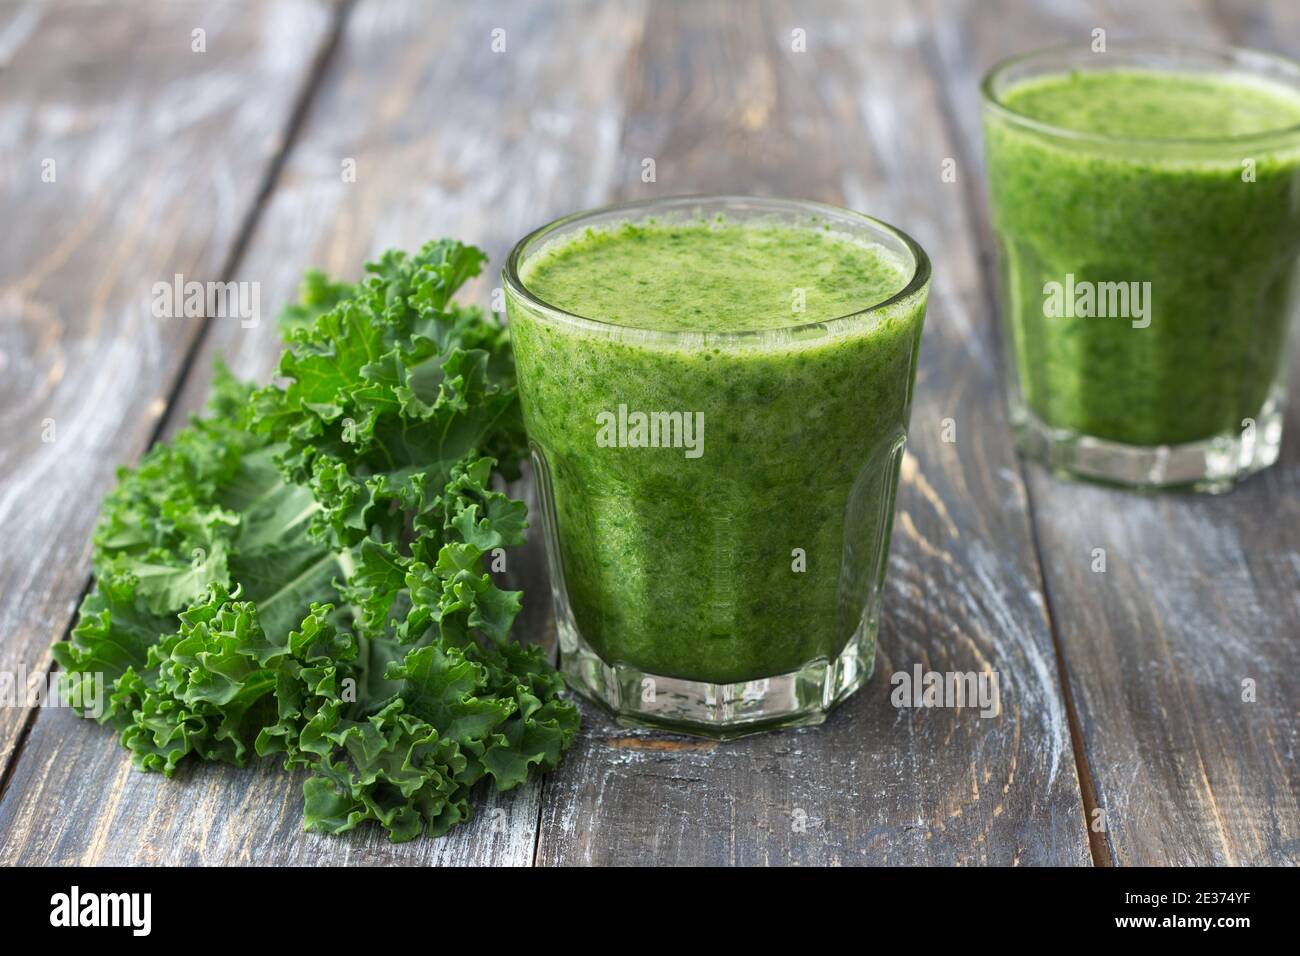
302, 103
1098, 844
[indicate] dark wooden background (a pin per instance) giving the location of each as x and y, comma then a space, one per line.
1123, 738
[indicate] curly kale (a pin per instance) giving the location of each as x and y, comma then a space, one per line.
301, 573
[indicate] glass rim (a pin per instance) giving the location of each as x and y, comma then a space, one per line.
1248, 59
919, 279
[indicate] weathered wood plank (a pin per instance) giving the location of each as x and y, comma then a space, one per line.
448, 138
1199, 594
854, 120
118, 175
723, 103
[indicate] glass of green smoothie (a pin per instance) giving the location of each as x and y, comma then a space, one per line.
1146, 203
717, 391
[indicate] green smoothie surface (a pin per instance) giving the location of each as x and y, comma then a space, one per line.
713, 276
1159, 105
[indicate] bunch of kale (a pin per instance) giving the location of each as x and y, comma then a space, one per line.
302, 572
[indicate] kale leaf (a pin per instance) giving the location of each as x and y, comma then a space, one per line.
302, 572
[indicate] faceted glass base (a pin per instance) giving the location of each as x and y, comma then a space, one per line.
638, 698
1212, 465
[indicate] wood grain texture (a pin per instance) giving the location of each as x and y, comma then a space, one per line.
133, 126
1199, 594
448, 138
723, 104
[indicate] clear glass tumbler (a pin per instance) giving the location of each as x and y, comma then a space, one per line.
739, 588
1148, 284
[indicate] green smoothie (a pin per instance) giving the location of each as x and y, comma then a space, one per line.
740, 529
1178, 191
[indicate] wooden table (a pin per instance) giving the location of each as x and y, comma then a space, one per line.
1124, 737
